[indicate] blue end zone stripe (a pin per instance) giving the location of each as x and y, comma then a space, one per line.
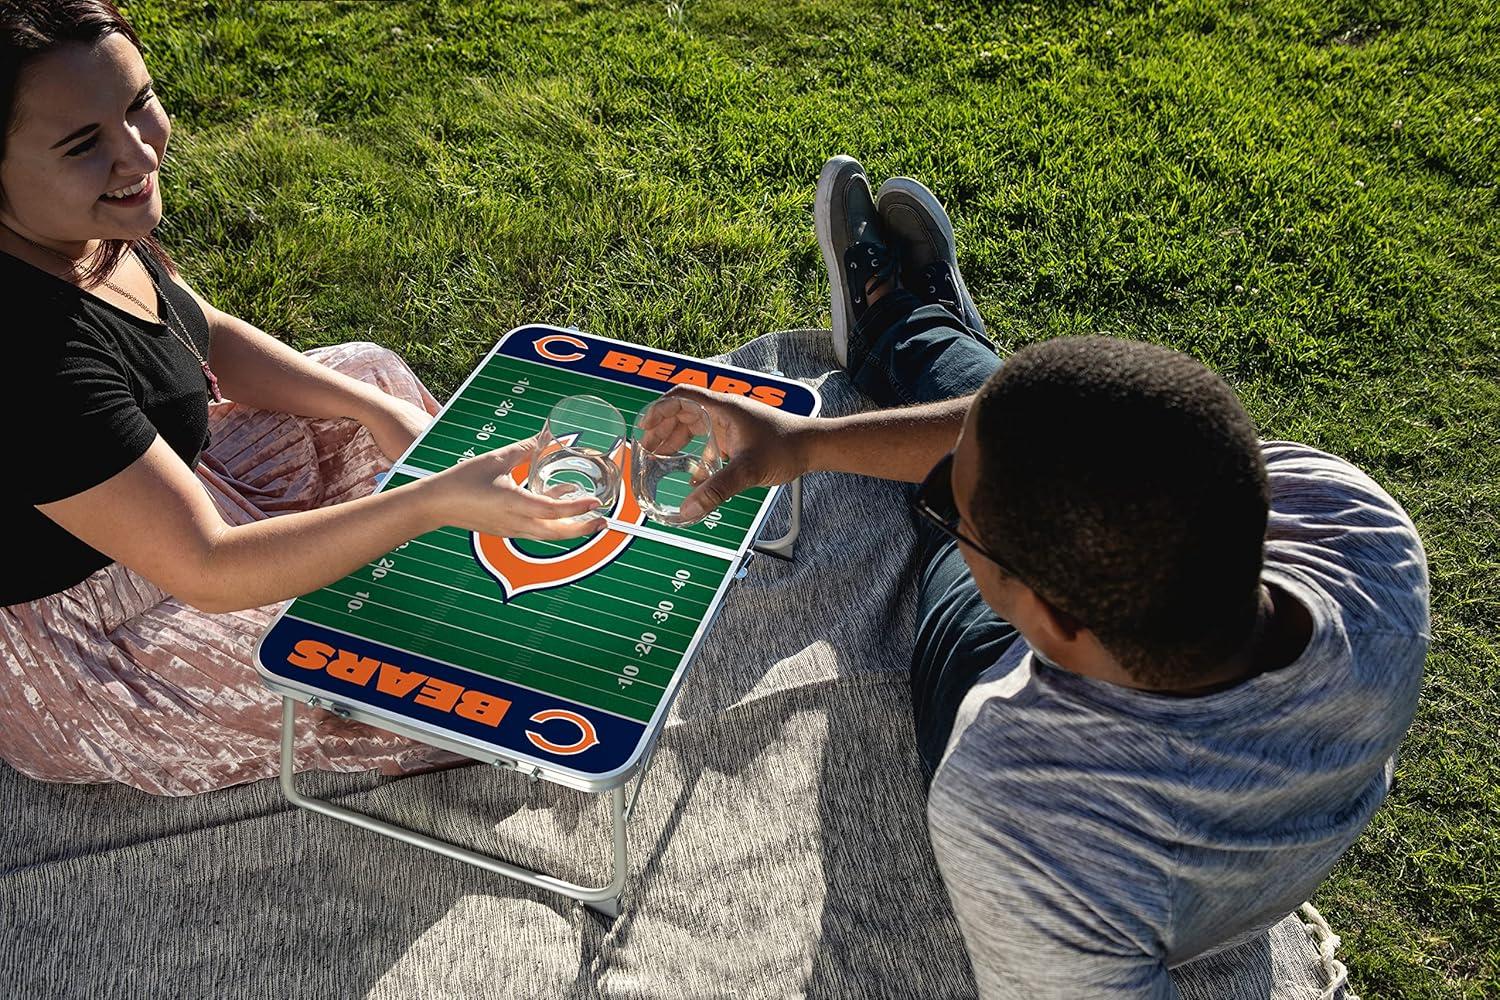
617, 737
583, 354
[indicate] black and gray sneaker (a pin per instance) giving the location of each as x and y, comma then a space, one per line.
854, 247
921, 233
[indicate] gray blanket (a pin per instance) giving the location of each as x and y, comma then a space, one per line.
779, 847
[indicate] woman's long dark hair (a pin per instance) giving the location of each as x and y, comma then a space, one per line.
30, 29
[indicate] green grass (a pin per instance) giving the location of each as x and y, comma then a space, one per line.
1300, 193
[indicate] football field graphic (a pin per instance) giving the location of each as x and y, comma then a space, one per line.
564, 655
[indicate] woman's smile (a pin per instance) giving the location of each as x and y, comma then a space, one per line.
138, 193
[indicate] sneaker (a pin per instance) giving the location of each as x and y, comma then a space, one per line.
854, 248
922, 234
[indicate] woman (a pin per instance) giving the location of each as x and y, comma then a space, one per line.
146, 560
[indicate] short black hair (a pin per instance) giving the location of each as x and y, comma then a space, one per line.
1124, 483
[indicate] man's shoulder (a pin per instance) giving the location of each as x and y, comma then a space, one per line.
1333, 527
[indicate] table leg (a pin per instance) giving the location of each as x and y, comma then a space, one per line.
604, 899
785, 546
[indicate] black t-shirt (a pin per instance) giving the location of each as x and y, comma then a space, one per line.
84, 390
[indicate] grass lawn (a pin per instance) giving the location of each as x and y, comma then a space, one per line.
1300, 193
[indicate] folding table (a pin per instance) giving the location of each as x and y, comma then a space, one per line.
556, 661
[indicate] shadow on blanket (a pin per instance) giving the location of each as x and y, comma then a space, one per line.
779, 847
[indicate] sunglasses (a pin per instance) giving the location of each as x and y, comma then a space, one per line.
934, 502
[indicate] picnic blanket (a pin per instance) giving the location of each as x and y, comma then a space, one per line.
778, 849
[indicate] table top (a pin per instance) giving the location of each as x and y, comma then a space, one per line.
561, 658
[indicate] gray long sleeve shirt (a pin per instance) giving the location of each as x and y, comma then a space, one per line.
1092, 837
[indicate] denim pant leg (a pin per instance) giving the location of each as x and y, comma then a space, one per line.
902, 353
959, 637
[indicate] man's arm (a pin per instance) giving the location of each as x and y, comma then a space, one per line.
767, 447
902, 444
1019, 949
1051, 903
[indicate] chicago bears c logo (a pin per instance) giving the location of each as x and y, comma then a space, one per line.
518, 571
586, 737
544, 347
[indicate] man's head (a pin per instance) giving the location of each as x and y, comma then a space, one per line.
1121, 486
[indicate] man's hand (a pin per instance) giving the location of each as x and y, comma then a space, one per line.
763, 445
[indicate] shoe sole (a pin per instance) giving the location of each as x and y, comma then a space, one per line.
823, 223
929, 204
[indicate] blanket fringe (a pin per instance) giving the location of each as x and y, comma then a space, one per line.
1327, 943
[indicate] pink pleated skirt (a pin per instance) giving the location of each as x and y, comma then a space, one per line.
114, 680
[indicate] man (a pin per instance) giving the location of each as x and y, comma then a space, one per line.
1161, 668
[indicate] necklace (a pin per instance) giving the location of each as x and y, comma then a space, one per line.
213, 382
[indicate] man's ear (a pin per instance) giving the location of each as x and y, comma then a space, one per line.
1060, 626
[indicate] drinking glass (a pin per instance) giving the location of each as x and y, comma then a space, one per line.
672, 450
578, 442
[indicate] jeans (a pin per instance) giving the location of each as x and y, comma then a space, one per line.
902, 352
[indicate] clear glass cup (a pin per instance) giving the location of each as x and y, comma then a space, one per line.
578, 443
672, 450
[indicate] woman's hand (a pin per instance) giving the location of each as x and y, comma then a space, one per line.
764, 446
481, 494
395, 424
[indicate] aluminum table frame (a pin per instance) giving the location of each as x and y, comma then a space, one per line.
603, 899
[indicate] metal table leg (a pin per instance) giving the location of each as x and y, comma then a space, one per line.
604, 899
785, 546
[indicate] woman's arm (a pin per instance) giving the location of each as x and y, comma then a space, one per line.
258, 370
156, 518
